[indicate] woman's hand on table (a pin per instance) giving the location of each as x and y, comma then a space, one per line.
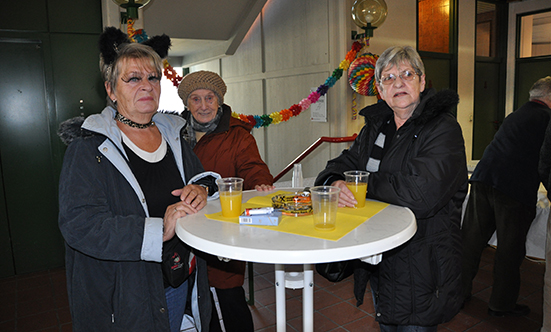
193, 198
264, 187
172, 213
346, 197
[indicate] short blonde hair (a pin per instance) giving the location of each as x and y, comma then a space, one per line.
111, 72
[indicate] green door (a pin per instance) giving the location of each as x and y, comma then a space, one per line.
487, 114
27, 166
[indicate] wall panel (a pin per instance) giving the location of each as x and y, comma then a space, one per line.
247, 98
74, 16
287, 140
28, 15
296, 34
247, 60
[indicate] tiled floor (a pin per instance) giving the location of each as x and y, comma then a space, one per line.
38, 302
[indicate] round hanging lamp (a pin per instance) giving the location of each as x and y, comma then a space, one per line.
369, 14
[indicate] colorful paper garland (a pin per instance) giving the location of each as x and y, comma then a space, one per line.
265, 120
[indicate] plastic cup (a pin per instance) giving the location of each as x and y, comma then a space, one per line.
356, 181
231, 192
325, 201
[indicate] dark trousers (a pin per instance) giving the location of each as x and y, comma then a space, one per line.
235, 311
489, 210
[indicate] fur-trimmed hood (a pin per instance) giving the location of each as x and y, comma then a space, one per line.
71, 129
432, 104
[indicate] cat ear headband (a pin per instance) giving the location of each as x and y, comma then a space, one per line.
112, 39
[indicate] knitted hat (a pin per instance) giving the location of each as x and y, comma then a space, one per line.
202, 80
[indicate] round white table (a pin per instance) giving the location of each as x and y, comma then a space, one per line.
388, 229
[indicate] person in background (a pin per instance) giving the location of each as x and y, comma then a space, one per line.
503, 196
126, 178
413, 147
544, 169
224, 145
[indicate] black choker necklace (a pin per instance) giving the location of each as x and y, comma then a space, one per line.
119, 117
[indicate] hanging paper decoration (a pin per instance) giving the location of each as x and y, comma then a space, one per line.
361, 74
137, 36
361, 77
354, 104
171, 74
265, 120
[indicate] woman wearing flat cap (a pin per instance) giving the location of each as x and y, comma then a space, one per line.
224, 145
127, 177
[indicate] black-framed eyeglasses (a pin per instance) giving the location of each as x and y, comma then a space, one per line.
406, 75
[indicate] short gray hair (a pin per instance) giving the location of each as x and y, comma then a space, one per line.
394, 56
541, 89
111, 72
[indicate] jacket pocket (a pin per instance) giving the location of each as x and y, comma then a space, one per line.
436, 270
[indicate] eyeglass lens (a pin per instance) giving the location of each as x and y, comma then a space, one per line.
406, 75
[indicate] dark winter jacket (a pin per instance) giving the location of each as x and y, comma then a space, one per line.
544, 167
424, 169
113, 246
510, 161
231, 151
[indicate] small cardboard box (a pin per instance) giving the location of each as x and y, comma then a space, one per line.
271, 219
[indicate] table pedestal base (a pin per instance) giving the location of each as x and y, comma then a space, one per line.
307, 297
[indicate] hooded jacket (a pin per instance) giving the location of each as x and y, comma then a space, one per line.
424, 169
113, 246
231, 151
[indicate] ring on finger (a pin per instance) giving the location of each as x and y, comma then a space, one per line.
175, 209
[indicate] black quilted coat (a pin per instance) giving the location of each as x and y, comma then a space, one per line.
424, 169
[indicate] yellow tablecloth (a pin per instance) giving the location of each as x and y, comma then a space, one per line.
347, 218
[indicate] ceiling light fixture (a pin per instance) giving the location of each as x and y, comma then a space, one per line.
131, 7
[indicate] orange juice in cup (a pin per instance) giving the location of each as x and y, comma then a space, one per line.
230, 191
356, 181
359, 190
231, 204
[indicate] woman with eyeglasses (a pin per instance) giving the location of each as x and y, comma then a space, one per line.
413, 147
224, 145
127, 177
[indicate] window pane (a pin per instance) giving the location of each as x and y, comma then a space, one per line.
434, 25
486, 27
535, 35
